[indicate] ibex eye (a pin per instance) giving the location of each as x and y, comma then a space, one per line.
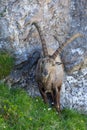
59, 63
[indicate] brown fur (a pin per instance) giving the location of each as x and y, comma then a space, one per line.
49, 71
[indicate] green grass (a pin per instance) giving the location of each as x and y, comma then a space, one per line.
18, 111
6, 64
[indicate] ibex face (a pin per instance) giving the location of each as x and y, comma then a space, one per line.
47, 65
49, 68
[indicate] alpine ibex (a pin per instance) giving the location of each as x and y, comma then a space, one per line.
49, 71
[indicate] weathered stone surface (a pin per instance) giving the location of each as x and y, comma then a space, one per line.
74, 91
76, 52
60, 18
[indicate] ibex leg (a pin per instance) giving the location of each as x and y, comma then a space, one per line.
43, 94
57, 99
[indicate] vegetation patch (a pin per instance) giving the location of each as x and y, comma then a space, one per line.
6, 64
18, 111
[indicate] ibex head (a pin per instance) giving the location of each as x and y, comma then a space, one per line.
47, 64
46, 68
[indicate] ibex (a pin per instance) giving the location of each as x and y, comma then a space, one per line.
49, 71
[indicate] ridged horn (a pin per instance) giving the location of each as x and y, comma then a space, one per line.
45, 51
66, 43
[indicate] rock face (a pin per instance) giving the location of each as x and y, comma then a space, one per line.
74, 91
57, 18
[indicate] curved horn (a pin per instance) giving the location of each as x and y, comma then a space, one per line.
45, 51
66, 43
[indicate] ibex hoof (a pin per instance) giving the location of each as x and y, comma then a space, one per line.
58, 108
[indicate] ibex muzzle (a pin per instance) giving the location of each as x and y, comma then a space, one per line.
49, 71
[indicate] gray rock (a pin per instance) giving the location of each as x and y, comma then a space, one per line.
74, 91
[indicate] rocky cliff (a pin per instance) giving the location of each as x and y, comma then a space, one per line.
59, 18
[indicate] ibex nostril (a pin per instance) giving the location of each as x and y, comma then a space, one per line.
45, 73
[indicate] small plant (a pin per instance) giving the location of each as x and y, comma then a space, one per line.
6, 64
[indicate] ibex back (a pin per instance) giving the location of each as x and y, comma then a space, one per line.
49, 71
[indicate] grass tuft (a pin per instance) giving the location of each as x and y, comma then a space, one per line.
18, 111
6, 64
